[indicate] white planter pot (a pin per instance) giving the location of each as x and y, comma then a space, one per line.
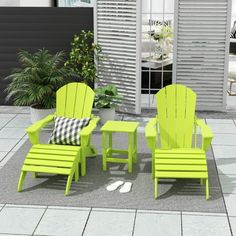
38, 114
106, 114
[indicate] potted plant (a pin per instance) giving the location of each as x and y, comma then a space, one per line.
83, 57
35, 83
106, 100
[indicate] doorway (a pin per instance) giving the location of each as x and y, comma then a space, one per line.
156, 48
231, 90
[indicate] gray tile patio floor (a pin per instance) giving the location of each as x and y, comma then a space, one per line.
49, 220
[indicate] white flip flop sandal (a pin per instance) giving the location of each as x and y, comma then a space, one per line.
126, 187
114, 185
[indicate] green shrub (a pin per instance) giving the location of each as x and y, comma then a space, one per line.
40, 75
83, 56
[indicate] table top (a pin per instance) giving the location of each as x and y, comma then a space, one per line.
120, 126
156, 64
231, 80
152, 63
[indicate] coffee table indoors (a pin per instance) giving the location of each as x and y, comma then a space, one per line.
123, 127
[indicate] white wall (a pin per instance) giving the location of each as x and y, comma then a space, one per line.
36, 3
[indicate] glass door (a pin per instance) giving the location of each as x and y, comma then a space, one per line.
156, 48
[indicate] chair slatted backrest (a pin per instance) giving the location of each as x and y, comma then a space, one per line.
176, 106
74, 100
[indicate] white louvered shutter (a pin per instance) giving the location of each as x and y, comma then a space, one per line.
201, 56
118, 33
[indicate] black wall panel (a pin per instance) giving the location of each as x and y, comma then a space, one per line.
34, 28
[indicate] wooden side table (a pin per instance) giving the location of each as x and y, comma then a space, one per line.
107, 151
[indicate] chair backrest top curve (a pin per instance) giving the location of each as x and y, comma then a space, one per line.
176, 106
74, 100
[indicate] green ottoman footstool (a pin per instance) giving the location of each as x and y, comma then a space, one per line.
122, 127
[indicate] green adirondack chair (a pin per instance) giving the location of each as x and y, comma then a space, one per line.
74, 100
172, 137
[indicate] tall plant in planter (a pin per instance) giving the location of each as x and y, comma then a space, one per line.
83, 57
35, 83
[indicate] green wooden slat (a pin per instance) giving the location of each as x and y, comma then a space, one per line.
79, 101
51, 170
51, 157
171, 115
70, 99
57, 147
48, 163
181, 167
180, 115
54, 152
181, 150
88, 102
162, 116
116, 160
184, 156
119, 151
179, 174
180, 161
61, 101
190, 115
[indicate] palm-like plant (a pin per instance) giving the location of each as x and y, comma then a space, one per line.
35, 83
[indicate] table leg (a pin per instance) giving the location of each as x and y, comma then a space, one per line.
130, 152
153, 164
104, 154
110, 140
135, 147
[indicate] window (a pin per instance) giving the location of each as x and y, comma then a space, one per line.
157, 48
233, 17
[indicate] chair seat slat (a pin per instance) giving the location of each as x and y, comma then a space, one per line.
48, 163
57, 147
181, 167
54, 152
51, 157
175, 161
50, 170
180, 174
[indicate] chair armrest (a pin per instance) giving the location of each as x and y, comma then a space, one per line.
206, 132
86, 131
151, 133
33, 130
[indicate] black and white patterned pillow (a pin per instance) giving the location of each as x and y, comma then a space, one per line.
67, 130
